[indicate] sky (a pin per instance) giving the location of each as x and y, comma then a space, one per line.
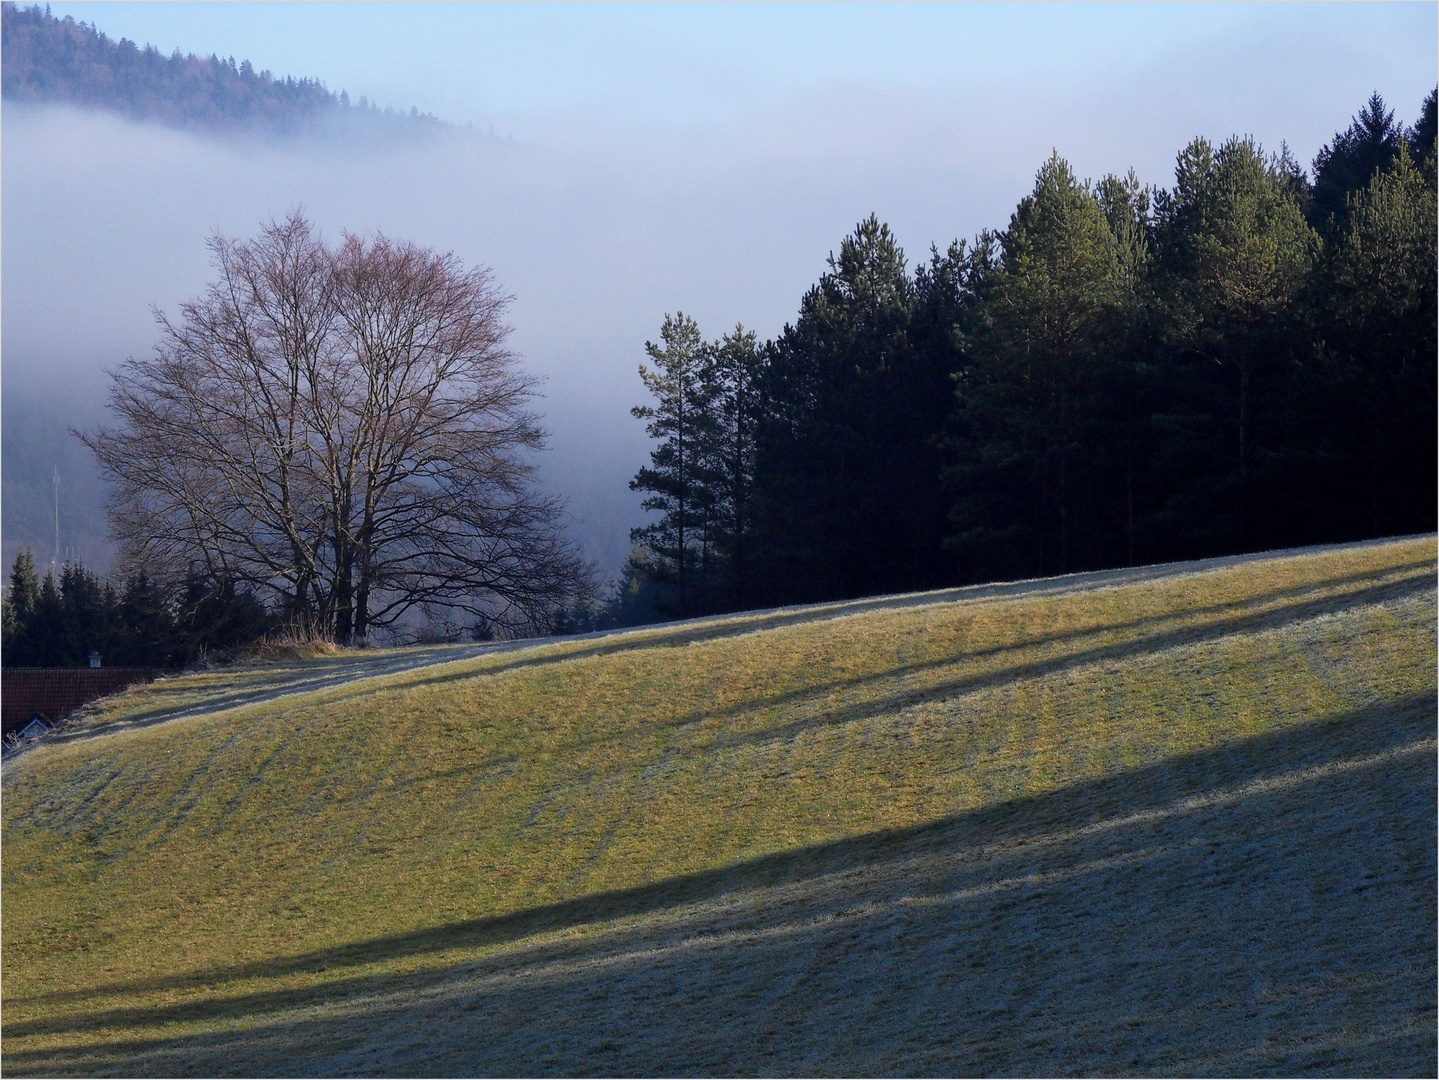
617, 162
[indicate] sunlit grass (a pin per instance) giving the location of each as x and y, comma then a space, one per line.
307, 862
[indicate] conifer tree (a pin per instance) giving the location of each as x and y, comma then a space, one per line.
1235, 250
678, 478
735, 373
848, 499
22, 599
1375, 306
1027, 407
1347, 163
1422, 134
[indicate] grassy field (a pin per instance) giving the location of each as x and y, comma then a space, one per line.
1181, 824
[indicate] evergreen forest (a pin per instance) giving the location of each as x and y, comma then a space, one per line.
46, 59
58, 620
1123, 375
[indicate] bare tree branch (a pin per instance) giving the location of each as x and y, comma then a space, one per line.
344, 429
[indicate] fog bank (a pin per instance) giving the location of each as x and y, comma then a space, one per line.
598, 224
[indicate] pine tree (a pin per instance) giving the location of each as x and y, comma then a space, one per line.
147, 634
1235, 250
48, 634
1027, 475
678, 479
1375, 305
735, 372
22, 600
1127, 398
848, 498
1348, 162
1422, 135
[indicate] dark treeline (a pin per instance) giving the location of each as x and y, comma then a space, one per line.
60, 620
59, 60
1124, 375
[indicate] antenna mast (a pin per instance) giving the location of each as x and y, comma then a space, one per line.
55, 559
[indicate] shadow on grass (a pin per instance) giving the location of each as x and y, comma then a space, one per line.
1174, 637
337, 672
1176, 632
1422, 572
317, 675
1267, 906
1150, 788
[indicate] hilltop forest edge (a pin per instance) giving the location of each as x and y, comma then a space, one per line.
1124, 375
45, 59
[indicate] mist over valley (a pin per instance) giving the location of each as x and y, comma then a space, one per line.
675, 539
598, 215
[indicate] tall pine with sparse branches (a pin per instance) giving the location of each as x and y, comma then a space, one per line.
679, 478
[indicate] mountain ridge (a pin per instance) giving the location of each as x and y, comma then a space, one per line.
45, 59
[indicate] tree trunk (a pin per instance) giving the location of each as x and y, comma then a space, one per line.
344, 593
1374, 475
1129, 507
1063, 485
1244, 374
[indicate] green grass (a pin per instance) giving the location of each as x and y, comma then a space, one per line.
1183, 825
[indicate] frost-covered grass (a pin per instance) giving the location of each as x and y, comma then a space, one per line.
1184, 824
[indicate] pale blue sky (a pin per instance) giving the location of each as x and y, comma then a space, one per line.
676, 64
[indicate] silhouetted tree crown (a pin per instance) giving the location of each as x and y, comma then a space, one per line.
1348, 162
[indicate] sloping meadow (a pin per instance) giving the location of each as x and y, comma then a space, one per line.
1182, 825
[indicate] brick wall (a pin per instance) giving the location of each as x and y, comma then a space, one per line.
57, 692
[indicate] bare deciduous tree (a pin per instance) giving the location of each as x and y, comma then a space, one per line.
343, 428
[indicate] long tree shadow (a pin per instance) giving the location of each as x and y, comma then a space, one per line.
1362, 736
360, 672
1423, 571
815, 695
1271, 619
317, 676
1264, 907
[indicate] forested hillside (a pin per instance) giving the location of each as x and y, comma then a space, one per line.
59, 60
1125, 374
